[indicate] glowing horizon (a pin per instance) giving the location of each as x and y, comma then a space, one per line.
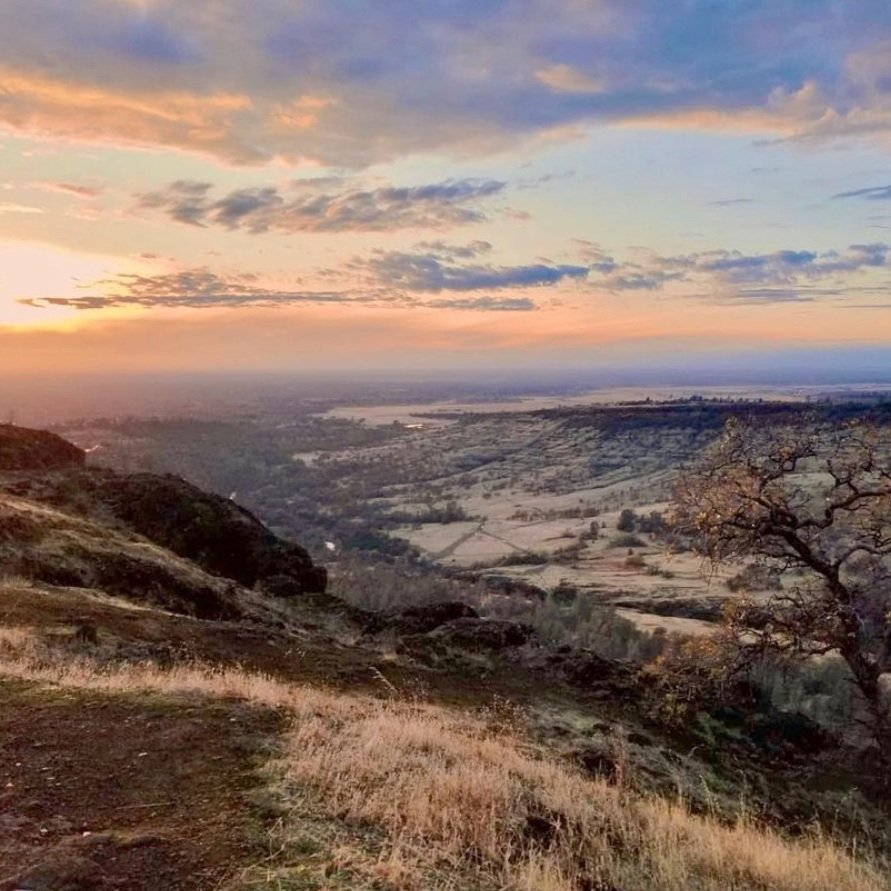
449, 185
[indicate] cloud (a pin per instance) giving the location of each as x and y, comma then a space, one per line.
65, 188
731, 202
19, 208
48, 105
487, 304
311, 206
193, 288
875, 193
201, 288
731, 276
568, 79
461, 77
437, 269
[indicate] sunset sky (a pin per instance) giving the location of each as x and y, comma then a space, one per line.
291, 184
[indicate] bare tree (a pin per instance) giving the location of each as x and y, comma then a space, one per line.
813, 503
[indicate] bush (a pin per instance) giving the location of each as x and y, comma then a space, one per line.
627, 521
627, 541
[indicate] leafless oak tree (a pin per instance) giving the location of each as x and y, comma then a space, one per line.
812, 502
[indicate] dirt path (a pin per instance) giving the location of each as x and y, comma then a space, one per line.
122, 792
479, 530
450, 549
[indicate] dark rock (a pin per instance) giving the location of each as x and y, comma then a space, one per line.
599, 678
583, 668
422, 619
789, 731
22, 449
481, 634
599, 763
218, 535
126, 576
505, 584
281, 586
214, 532
705, 609
70, 553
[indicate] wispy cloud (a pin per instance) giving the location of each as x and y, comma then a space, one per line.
311, 206
77, 190
486, 304
11, 207
874, 193
203, 289
193, 288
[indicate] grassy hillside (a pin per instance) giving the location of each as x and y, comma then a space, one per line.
370, 793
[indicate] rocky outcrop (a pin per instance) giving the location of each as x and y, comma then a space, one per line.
22, 449
214, 532
448, 626
218, 535
50, 547
482, 635
423, 619
465, 637
600, 678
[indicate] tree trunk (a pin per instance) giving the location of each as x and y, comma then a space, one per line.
867, 676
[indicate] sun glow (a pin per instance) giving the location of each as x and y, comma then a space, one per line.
30, 270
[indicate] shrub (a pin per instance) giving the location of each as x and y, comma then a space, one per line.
627, 541
627, 520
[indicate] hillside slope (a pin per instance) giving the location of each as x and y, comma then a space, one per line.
166, 723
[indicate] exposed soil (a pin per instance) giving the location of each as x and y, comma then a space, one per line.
101, 792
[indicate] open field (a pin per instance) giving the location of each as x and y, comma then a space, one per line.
537, 496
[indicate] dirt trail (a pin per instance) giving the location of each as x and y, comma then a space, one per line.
450, 549
143, 793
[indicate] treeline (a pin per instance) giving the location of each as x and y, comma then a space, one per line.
697, 414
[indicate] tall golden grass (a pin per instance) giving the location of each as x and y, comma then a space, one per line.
451, 794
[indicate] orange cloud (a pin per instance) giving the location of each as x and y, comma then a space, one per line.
66, 109
568, 79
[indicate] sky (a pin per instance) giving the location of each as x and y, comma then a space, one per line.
432, 184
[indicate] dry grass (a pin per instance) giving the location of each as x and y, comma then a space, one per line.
424, 797
445, 787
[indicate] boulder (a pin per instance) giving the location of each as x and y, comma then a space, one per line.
481, 635
422, 619
584, 669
